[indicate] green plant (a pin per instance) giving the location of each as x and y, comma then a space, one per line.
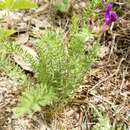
91, 8
7, 64
62, 5
34, 98
17, 4
105, 124
60, 68
103, 121
6, 33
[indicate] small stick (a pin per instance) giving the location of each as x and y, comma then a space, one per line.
108, 76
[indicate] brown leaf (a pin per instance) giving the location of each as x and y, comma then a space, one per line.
42, 22
25, 66
22, 38
30, 51
104, 50
42, 9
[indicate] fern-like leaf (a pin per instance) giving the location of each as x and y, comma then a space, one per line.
34, 98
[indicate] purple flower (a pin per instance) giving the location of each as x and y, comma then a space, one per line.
110, 15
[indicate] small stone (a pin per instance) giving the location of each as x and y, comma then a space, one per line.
76, 6
82, 4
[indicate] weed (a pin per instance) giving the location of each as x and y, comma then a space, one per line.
6, 33
7, 66
60, 68
90, 11
62, 5
103, 121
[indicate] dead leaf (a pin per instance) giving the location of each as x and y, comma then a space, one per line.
36, 32
104, 50
22, 27
33, 41
42, 9
41, 22
22, 38
25, 66
30, 51
13, 18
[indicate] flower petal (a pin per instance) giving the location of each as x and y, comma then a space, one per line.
109, 7
104, 28
114, 16
108, 18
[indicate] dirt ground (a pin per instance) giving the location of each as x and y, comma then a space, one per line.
107, 86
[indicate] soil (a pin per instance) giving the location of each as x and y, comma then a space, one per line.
107, 86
